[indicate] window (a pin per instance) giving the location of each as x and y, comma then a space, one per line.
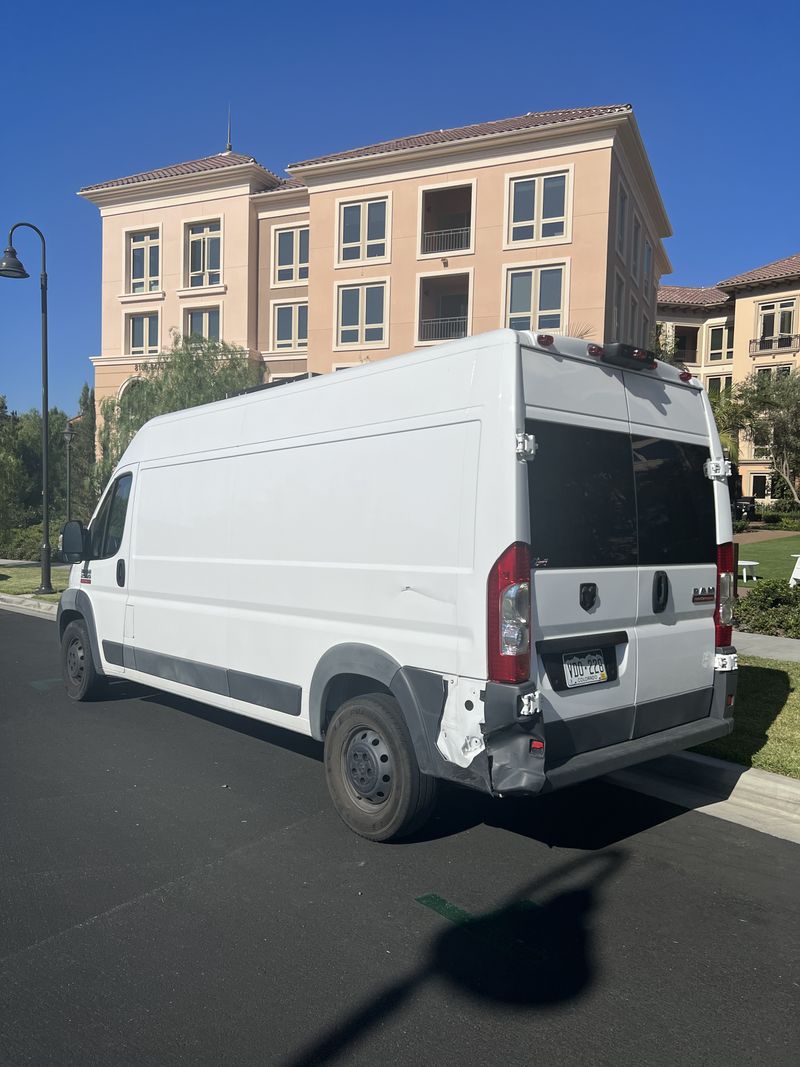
109, 524
535, 299
622, 219
618, 324
776, 323
290, 256
633, 321
758, 486
716, 386
203, 322
763, 373
143, 262
362, 231
637, 241
204, 254
648, 269
290, 325
720, 342
361, 315
538, 208
143, 334
616, 508
645, 332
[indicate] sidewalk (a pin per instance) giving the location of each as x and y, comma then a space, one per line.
785, 648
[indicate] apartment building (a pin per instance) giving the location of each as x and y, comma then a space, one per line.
749, 323
547, 221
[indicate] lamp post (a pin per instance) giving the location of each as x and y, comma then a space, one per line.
69, 433
10, 267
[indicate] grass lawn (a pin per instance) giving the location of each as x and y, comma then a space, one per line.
767, 718
775, 556
27, 578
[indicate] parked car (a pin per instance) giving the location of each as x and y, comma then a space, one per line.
505, 561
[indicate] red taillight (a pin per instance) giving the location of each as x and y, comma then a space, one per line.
723, 612
544, 339
595, 350
509, 616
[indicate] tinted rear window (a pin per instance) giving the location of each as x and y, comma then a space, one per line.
604, 499
580, 488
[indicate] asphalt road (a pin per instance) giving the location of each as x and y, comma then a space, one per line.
176, 889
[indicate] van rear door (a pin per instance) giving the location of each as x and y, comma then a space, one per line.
677, 544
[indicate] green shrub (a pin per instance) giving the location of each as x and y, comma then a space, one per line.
771, 518
790, 522
740, 525
771, 607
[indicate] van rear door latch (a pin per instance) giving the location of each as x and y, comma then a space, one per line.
526, 446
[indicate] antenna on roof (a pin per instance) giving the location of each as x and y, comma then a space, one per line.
229, 146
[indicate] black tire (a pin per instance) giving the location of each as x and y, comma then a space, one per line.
81, 680
372, 772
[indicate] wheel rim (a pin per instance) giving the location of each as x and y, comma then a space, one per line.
367, 768
76, 661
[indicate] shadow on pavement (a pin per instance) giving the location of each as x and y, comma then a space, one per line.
526, 953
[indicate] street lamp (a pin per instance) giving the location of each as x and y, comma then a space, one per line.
69, 433
10, 267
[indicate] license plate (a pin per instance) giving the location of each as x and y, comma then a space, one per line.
584, 668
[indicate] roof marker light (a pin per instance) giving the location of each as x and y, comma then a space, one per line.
544, 339
595, 350
685, 375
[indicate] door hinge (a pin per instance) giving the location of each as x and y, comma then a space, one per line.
526, 446
529, 703
717, 468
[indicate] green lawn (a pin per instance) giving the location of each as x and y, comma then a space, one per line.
27, 578
767, 718
775, 556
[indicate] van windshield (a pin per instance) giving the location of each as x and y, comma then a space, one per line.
600, 498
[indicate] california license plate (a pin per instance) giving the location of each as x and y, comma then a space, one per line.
584, 668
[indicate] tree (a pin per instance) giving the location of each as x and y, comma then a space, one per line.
727, 418
767, 411
195, 371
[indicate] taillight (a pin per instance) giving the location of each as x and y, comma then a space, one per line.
509, 616
723, 612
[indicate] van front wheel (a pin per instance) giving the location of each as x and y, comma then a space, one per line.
81, 680
372, 773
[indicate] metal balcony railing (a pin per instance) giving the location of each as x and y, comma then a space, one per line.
445, 240
442, 329
786, 341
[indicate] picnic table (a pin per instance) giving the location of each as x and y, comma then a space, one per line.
795, 578
748, 565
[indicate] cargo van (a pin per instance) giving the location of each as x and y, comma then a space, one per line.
504, 561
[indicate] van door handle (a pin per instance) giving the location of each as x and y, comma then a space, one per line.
120, 572
660, 591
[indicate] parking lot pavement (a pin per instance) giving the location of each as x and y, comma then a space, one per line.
176, 889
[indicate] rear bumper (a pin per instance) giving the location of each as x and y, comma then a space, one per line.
518, 769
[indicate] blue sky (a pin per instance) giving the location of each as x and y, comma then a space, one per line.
107, 89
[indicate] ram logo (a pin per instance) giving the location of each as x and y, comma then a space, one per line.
703, 594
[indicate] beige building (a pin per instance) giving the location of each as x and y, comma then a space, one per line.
548, 221
746, 324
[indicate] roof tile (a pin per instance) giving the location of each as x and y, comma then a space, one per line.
770, 272
176, 170
690, 296
532, 120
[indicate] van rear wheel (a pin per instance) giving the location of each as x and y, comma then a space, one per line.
372, 772
81, 680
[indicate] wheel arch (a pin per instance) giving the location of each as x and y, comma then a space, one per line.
75, 604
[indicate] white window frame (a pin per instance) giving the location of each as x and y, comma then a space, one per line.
538, 175
636, 245
423, 189
645, 329
295, 303
647, 262
188, 288
128, 235
727, 343
537, 265
296, 280
633, 317
618, 309
456, 272
362, 283
127, 333
362, 201
623, 208
204, 309
778, 305
722, 378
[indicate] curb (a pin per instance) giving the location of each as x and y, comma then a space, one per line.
769, 803
28, 605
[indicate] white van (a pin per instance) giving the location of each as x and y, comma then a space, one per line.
504, 561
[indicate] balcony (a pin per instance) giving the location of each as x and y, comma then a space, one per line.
786, 342
446, 221
443, 308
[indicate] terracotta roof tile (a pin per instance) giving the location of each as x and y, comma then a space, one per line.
533, 120
176, 170
689, 296
770, 272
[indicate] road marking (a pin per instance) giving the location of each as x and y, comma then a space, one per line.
44, 684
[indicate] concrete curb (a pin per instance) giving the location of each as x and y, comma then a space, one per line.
769, 803
28, 605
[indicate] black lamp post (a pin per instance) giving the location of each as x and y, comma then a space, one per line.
69, 433
10, 267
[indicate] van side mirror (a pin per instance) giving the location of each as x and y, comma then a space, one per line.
76, 542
